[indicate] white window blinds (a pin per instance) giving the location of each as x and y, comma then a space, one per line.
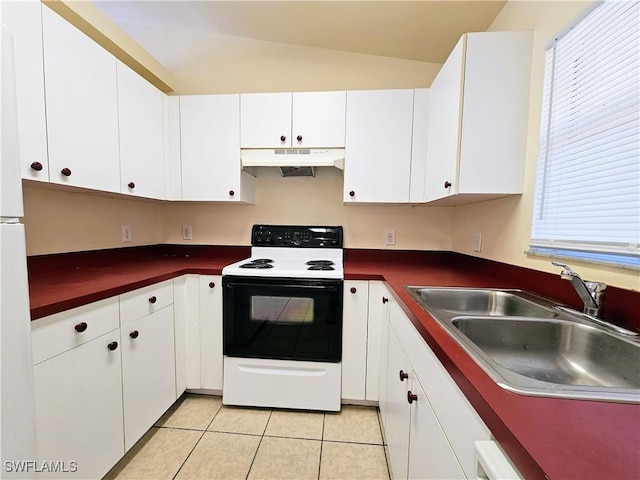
587, 200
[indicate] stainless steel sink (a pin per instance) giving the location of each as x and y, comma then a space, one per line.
556, 351
528, 345
470, 301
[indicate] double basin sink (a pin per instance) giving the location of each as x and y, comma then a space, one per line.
530, 345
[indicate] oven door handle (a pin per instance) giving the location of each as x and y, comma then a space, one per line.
288, 371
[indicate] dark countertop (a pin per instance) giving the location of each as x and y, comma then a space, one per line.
545, 437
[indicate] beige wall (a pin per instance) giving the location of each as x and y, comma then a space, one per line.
241, 65
506, 223
307, 200
58, 220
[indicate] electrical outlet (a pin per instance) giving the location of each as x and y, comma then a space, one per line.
390, 237
187, 233
477, 241
127, 235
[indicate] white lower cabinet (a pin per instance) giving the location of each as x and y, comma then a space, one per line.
104, 373
210, 302
198, 313
418, 448
354, 339
148, 372
398, 411
430, 432
79, 402
430, 455
378, 315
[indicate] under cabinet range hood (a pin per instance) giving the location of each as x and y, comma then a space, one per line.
293, 161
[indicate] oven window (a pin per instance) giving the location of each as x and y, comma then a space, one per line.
288, 319
282, 310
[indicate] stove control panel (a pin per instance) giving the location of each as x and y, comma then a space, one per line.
296, 236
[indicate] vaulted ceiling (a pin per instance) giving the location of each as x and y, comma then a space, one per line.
414, 30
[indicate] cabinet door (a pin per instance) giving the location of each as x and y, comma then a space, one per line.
265, 119
211, 332
354, 339
172, 155
148, 372
384, 368
398, 408
378, 146
210, 142
187, 335
443, 130
82, 107
187, 311
141, 135
496, 109
79, 407
417, 189
430, 455
378, 313
318, 119
24, 19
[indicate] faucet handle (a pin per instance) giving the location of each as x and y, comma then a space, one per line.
566, 269
595, 287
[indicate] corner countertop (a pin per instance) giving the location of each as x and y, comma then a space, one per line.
545, 437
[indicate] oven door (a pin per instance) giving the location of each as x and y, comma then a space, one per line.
282, 318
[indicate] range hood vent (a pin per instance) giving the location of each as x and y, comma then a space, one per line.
297, 171
293, 157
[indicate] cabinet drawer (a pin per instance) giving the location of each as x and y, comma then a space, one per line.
145, 300
63, 331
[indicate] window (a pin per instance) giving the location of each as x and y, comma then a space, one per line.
587, 199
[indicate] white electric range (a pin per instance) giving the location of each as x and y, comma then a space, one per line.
282, 319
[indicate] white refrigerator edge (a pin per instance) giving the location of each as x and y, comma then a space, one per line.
18, 440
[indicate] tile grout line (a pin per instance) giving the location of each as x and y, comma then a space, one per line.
324, 415
190, 452
196, 444
259, 443
384, 441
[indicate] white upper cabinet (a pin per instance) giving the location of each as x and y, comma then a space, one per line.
265, 120
210, 144
285, 120
417, 185
172, 155
318, 119
24, 19
378, 146
81, 106
478, 109
141, 127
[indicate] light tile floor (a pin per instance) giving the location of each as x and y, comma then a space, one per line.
198, 438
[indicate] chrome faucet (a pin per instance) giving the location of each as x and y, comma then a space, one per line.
591, 293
